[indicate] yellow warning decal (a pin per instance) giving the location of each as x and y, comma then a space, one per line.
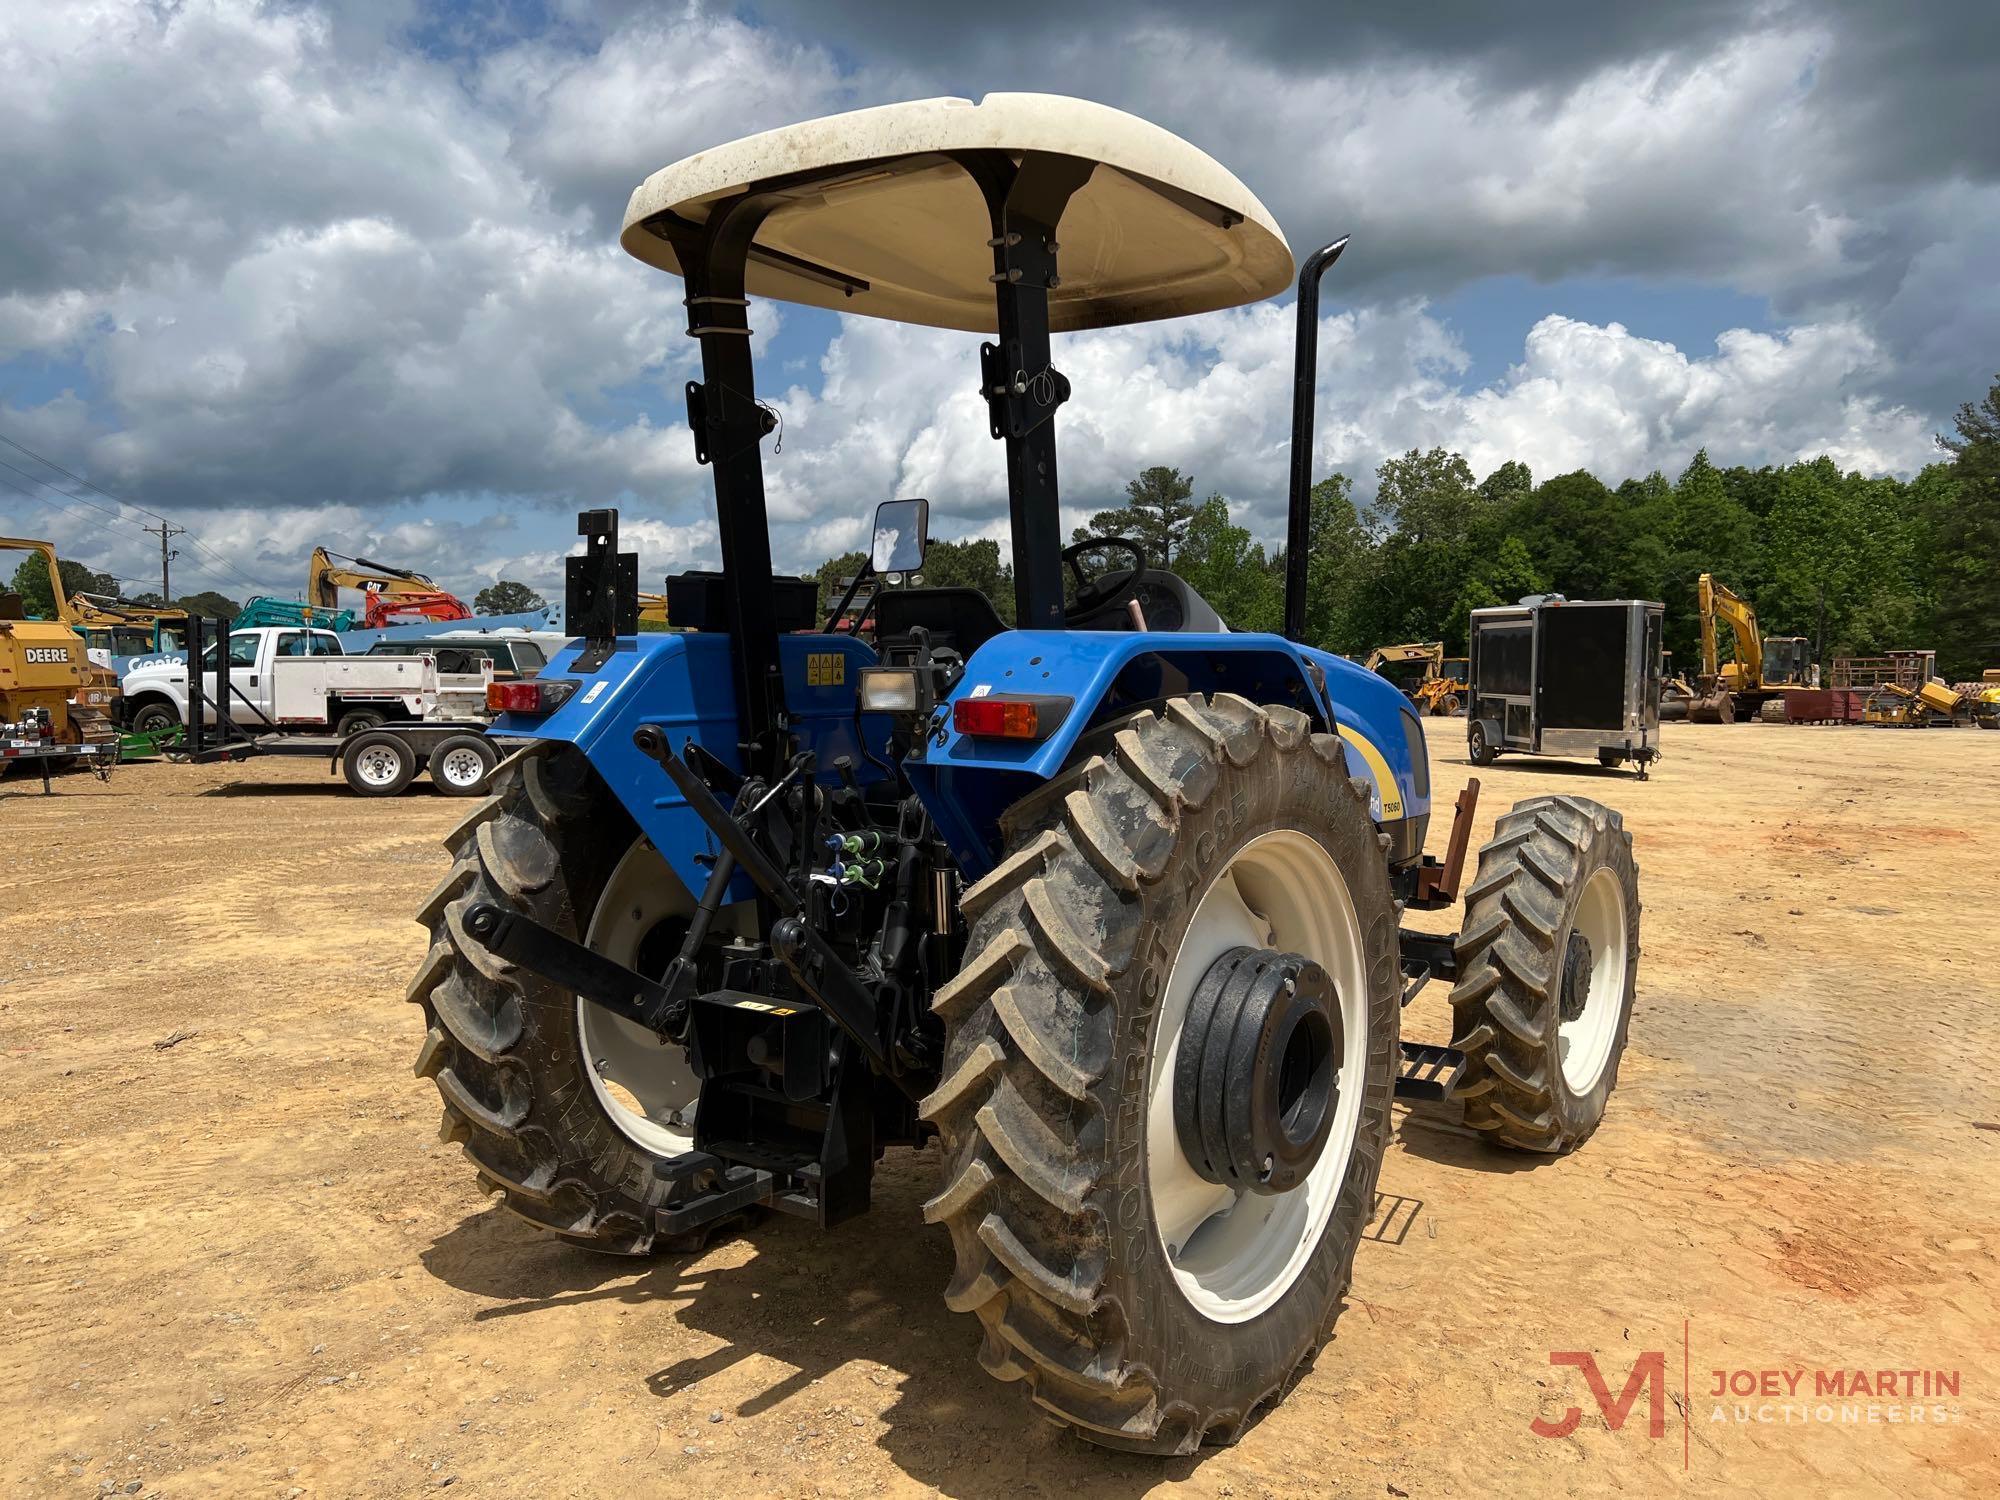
826, 669
1385, 779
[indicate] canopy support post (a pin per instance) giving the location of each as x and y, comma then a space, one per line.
1021, 386
730, 427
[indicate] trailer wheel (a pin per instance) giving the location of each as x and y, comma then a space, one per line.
1611, 760
377, 764
568, 1112
1478, 747
462, 765
1546, 964
1169, 1061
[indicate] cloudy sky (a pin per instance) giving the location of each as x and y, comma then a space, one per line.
346, 273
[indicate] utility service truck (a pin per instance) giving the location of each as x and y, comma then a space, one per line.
379, 720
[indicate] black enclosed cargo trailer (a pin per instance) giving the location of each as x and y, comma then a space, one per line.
1554, 676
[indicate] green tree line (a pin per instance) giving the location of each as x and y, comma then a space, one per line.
1858, 564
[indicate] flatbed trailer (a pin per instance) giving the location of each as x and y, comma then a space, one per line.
379, 760
45, 755
458, 754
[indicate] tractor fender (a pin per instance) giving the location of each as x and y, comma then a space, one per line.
966, 783
681, 683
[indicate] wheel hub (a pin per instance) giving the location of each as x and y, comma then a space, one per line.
1256, 1084
1576, 977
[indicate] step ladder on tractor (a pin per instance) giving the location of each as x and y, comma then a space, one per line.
1106, 912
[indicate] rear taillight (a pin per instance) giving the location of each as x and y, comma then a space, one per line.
1020, 717
534, 696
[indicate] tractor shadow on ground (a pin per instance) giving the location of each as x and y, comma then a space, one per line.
1433, 1133
794, 1309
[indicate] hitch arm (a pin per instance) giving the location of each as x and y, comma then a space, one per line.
598, 979
762, 870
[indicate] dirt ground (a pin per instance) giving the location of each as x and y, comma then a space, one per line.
234, 1257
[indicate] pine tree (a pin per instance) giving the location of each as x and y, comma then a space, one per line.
1156, 514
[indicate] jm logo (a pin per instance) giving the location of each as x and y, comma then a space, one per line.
1650, 1370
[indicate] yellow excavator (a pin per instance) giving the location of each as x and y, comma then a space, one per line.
1435, 682
1765, 667
326, 576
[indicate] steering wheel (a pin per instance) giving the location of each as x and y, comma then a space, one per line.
1108, 590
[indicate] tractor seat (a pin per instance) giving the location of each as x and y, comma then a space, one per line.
963, 619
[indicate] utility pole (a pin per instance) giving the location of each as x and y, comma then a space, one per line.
163, 531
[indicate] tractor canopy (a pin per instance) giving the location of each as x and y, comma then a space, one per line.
879, 212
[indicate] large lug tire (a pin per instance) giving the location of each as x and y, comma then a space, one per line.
1542, 1020
505, 1047
1054, 1145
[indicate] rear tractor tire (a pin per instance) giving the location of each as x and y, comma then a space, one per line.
566, 1111
1546, 964
1171, 1051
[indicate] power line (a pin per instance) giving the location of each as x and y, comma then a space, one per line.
220, 560
51, 463
80, 516
102, 510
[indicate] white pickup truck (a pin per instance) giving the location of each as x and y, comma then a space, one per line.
292, 691
301, 681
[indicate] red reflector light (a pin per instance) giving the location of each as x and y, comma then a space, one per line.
514, 697
1009, 718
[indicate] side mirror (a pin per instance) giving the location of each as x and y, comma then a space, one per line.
902, 532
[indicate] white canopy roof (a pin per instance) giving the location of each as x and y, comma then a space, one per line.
1161, 229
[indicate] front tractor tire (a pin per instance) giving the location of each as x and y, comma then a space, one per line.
1547, 960
568, 1117
1166, 1089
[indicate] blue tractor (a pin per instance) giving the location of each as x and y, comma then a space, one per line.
1103, 907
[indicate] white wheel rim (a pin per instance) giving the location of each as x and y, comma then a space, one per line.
379, 765
1234, 1255
464, 766
641, 1079
1585, 1043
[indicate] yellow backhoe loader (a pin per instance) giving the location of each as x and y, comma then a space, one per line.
1764, 669
1430, 679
